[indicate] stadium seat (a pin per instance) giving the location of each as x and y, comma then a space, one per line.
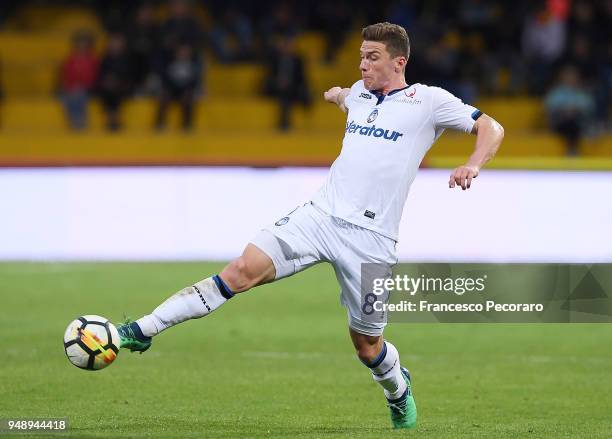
30, 63
53, 19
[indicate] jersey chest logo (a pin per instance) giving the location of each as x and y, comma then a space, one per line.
410, 97
373, 115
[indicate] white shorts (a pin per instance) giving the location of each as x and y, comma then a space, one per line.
308, 235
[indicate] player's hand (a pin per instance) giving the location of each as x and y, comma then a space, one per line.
462, 176
331, 95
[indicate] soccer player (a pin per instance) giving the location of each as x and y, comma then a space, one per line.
354, 218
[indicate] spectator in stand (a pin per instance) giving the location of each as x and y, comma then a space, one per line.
181, 76
232, 37
481, 58
580, 54
543, 40
78, 76
181, 28
404, 13
178, 64
478, 16
505, 71
605, 18
590, 34
605, 97
286, 79
570, 108
114, 79
440, 63
281, 22
143, 40
583, 21
335, 18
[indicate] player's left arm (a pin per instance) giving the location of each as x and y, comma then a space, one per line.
489, 135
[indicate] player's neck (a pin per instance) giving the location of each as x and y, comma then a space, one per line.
394, 84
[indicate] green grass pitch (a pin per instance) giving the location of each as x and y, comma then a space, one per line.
277, 362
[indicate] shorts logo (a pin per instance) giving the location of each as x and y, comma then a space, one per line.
373, 115
368, 304
365, 96
281, 222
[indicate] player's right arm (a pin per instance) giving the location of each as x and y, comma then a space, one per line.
450, 112
337, 95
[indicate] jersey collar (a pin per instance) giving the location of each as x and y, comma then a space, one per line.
381, 97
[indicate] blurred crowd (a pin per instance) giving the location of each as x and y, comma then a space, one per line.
141, 56
559, 50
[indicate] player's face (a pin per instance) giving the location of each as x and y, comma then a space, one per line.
377, 67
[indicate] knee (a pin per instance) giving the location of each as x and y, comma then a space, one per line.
368, 350
238, 275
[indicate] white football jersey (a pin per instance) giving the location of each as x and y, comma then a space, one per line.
385, 139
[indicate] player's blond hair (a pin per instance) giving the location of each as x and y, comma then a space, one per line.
393, 36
